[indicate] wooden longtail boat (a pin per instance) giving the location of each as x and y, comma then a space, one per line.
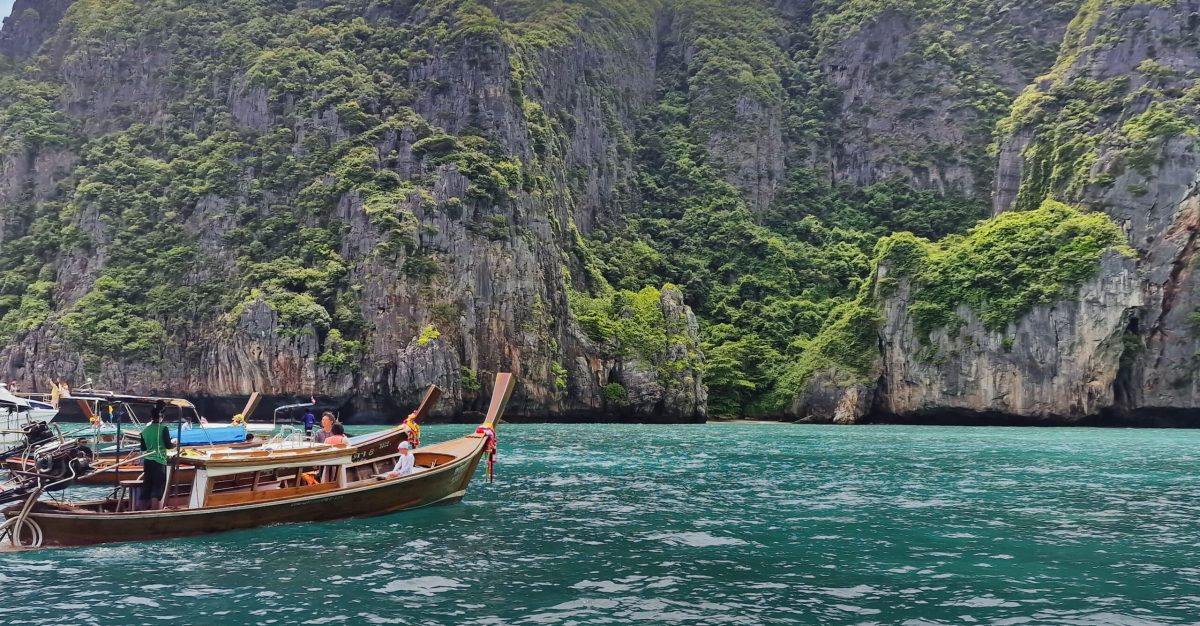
107, 471
258, 490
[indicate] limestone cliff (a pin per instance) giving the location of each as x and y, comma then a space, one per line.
1059, 362
447, 257
1128, 71
356, 198
920, 86
1111, 127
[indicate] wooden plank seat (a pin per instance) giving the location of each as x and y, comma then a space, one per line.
128, 490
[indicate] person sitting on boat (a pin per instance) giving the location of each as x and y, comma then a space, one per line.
405, 463
238, 420
156, 440
338, 438
64, 389
326, 427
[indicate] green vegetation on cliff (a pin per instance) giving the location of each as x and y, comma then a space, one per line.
335, 86
1073, 116
1003, 267
1000, 269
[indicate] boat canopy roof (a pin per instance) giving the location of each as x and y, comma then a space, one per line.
129, 399
288, 407
219, 461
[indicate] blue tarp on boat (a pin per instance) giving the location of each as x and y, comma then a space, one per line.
203, 436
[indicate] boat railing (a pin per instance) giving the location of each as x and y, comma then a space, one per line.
285, 435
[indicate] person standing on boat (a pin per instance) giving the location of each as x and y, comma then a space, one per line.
309, 421
156, 440
55, 393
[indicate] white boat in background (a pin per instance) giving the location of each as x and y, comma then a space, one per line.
16, 412
40, 409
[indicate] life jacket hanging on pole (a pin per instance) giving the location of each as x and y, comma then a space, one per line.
414, 429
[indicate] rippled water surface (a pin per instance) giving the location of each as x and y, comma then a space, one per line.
722, 523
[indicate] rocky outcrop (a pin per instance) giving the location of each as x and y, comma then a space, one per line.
30, 24
834, 396
1146, 176
1059, 362
1110, 127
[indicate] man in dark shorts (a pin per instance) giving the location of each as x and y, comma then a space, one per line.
156, 440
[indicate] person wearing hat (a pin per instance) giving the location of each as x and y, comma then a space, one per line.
156, 440
404, 464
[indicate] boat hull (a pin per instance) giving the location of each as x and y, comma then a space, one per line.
444, 484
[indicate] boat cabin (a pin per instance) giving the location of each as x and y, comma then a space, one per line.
230, 476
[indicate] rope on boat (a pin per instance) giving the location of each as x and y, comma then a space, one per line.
7, 528
14, 525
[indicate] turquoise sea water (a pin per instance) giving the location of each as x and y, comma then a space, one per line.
714, 524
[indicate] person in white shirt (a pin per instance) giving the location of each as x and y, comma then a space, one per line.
404, 464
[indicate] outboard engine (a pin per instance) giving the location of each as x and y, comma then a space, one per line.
59, 460
36, 434
54, 464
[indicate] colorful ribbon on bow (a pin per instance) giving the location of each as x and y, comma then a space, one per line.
489, 448
414, 429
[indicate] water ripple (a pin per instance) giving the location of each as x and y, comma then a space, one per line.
714, 524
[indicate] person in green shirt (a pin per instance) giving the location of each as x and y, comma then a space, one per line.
156, 440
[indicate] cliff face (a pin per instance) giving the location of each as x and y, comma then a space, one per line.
920, 87
1058, 362
30, 24
1113, 127
1129, 71
357, 198
440, 262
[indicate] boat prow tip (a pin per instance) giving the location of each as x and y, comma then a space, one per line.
501, 392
